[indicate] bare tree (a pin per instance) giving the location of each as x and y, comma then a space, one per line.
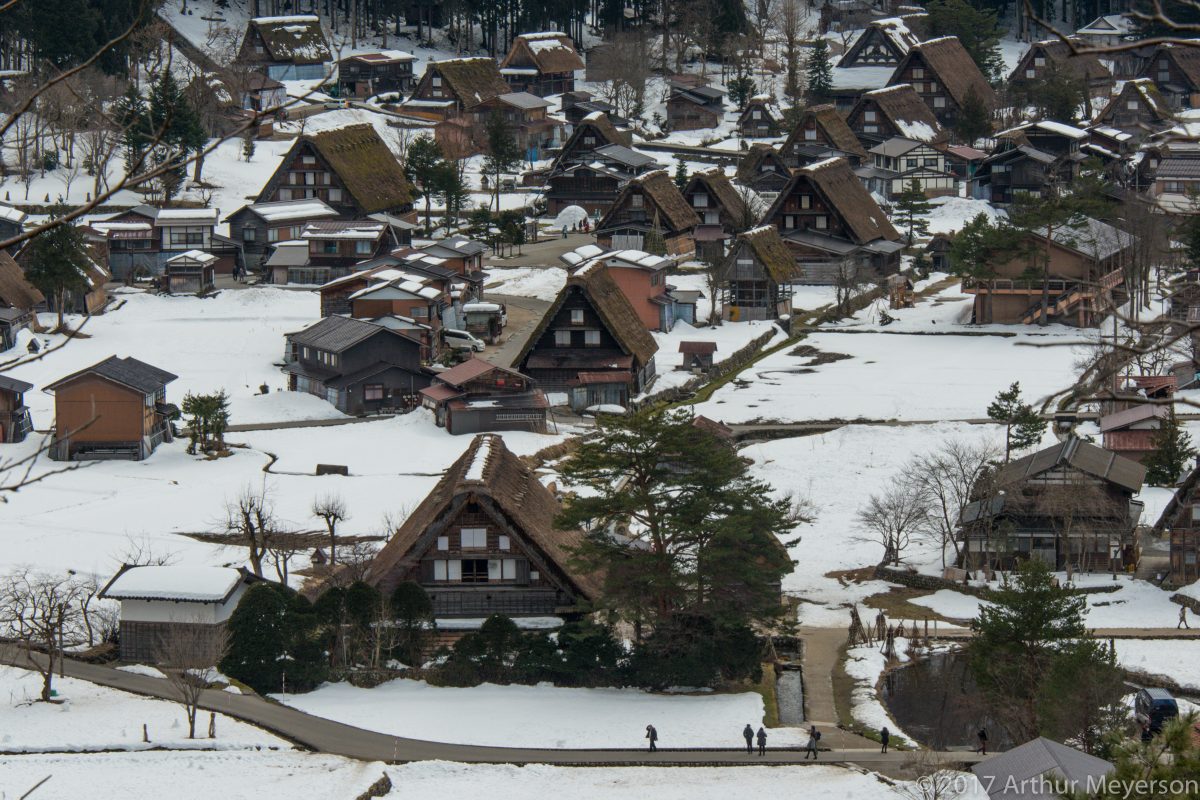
625, 65
935, 779
946, 477
892, 517
250, 523
42, 612
791, 28
848, 282
187, 652
331, 509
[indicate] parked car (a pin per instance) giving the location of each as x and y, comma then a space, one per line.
1153, 708
462, 340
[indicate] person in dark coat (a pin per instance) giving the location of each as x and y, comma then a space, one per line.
748, 735
810, 749
762, 741
982, 741
884, 736
652, 735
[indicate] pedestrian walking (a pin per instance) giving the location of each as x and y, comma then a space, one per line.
762, 741
1183, 623
748, 735
810, 749
652, 735
982, 735
884, 736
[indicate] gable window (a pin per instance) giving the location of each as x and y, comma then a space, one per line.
576, 316
870, 129
910, 163
939, 102
249, 234
635, 201
362, 247
308, 159
589, 140
591, 338
930, 162
789, 221
1039, 61
1132, 105
805, 201
700, 200
505, 543
474, 570
869, 116
443, 543
822, 222
473, 538
810, 134
1029, 73
329, 248
562, 338
437, 80
918, 73
756, 114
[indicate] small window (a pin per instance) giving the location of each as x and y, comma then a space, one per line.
362, 247
756, 114
473, 538
1029, 73
869, 116
509, 569
534, 575
1132, 105
930, 162
308, 160
335, 195
329, 248
562, 338
591, 338
700, 200
474, 570
249, 234
805, 201
918, 73
810, 134
789, 221
822, 222
588, 141
1039, 61
576, 316
437, 80
504, 544
870, 129
635, 201
439, 570
374, 391
939, 102
910, 163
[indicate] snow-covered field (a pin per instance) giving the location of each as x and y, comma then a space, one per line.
91, 717
865, 664
532, 716
544, 283
729, 338
1178, 659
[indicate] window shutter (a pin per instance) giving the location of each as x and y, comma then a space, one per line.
443, 543
426, 571
504, 543
522, 571
494, 569
455, 570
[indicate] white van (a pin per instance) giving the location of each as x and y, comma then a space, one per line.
461, 340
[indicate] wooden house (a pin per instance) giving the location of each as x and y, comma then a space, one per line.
337, 295
404, 293
16, 292
190, 272
1055, 59
262, 94
455, 88
1130, 432
484, 542
291, 48
162, 603
590, 343
1180, 522
883, 43
1175, 71
90, 298
833, 227
1086, 278
581, 175
335, 248
1138, 109
1071, 505
260, 226
1107, 30
541, 63
1029, 158
12, 223
821, 129
575, 106
350, 169
141, 240
370, 74
114, 409
944, 75
914, 161
691, 108
758, 275
1176, 177
642, 279
459, 254
722, 212
697, 356
359, 367
649, 214
763, 169
533, 131
761, 118
15, 421
12, 322
477, 396
894, 111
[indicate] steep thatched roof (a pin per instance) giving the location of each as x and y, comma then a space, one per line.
846, 196
1142, 89
768, 247
472, 80
15, 290
662, 192
953, 66
1186, 58
298, 39
1086, 66
750, 166
549, 51
596, 124
619, 317
487, 471
830, 122
718, 186
906, 111
365, 164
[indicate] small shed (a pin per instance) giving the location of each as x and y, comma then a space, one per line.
161, 604
14, 414
190, 272
1040, 768
12, 320
697, 356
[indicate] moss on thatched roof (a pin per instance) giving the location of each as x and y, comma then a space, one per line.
363, 161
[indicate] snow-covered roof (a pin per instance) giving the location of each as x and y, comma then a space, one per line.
282, 210
10, 214
295, 19
479, 462
194, 255
186, 584
208, 215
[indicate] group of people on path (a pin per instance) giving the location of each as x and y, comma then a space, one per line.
810, 749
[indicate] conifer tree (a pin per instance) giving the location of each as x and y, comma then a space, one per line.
1172, 452
1023, 427
973, 120
58, 262
911, 204
819, 73
681, 174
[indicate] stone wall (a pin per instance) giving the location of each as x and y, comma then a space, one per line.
933, 583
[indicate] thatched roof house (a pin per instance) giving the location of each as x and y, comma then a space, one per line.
763, 169
1043, 57
288, 48
648, 205
894, 111
542, 63
820, 127
456, 86
883, 43
944, 75
484, 542
15, 290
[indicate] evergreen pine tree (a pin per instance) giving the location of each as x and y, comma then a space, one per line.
1023, 427
681, 174
741, 89
258, 637
819, 73
1172, 452
412, 611
248, 146
911, 204
58, 262
133, 117
422, 165
973, 120
976, 28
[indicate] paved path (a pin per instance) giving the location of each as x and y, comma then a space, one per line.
326, 736
540, 254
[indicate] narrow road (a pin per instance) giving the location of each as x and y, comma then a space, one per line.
326, 736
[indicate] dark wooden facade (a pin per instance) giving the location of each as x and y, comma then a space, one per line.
15, 422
